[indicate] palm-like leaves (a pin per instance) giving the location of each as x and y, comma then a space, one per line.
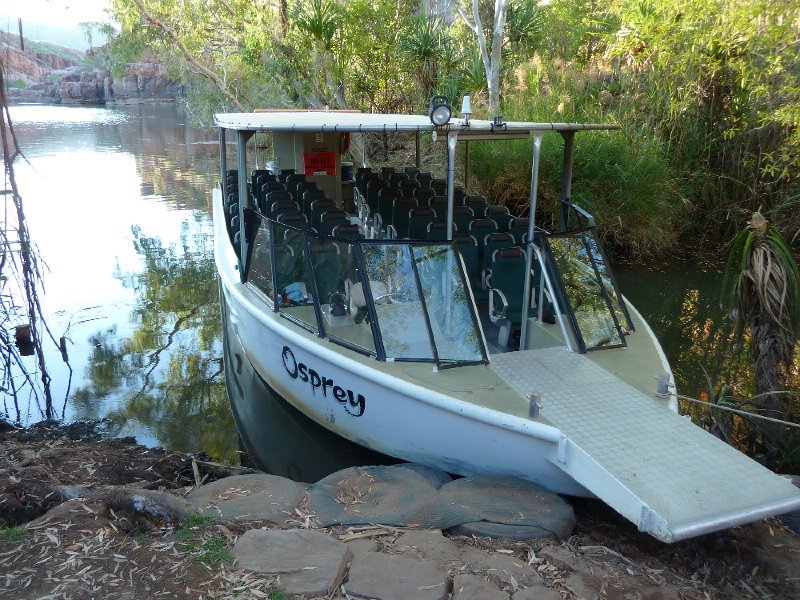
426, 49
320, 20
761, 287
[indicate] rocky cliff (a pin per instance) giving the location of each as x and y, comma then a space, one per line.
32, 65
59, 78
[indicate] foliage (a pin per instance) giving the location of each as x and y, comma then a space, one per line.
426, 49
761, 287
11, 535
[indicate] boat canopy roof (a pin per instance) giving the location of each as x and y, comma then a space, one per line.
343, 121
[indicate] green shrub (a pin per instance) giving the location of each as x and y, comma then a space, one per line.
622, 177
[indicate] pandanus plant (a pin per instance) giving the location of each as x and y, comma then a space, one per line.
761, 288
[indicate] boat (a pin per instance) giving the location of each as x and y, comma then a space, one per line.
416, 319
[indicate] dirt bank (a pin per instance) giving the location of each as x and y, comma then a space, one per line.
101, 544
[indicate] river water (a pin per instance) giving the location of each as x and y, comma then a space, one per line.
118, 202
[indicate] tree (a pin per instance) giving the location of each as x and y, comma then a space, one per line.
761, 287
491, 60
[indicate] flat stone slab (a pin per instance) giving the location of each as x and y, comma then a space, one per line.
256, 497
505, 572
386, 577
472, 587
308, 563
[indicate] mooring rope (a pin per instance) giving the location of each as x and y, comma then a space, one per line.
738, 411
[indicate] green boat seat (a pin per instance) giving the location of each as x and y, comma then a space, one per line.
408, 186
437, 230
480, 228
385, 204
397, 179
439, 186
506, 290
501, 215
424, 195
412, 172
468, 248
418, 221
462, 216
318, 207
279, 207
331, 219
492, 242
424, 178
401, 214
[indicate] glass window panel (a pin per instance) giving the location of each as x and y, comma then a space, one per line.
448, 305
398, 305
335, 278
261, 263
608, 283
291, 275
587, 296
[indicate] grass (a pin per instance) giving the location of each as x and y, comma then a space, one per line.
211, 550
11, 535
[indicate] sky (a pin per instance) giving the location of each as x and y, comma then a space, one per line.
54, 12
53, 21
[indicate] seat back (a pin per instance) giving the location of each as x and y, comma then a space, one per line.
279, 207
480, 228
396, 179
477, 202
331, 219
418, 221
437, 230
386, 198
462, 216
508, 276
408, 186
292, 181
458, 195
374, 188
348, 232
317, 208
468, 248
424, 178
439, 204
401, 214
439, 186
518, 227
495, 241
412, 172
309, 197
386, 173
501, 215
424, 195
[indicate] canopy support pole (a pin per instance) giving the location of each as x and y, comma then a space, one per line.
566, 178
526, 295
244, 196
223, 163
452, 140
466, 167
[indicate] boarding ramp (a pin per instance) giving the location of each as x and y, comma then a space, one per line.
656, 468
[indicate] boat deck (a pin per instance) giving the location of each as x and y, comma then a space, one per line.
655, 467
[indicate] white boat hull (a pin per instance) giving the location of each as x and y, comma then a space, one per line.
381, 412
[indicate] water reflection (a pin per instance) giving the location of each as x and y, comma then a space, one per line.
118, 202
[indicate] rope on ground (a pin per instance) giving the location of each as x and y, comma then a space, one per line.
739, 412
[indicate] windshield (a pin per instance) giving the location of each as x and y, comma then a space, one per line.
394, 299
